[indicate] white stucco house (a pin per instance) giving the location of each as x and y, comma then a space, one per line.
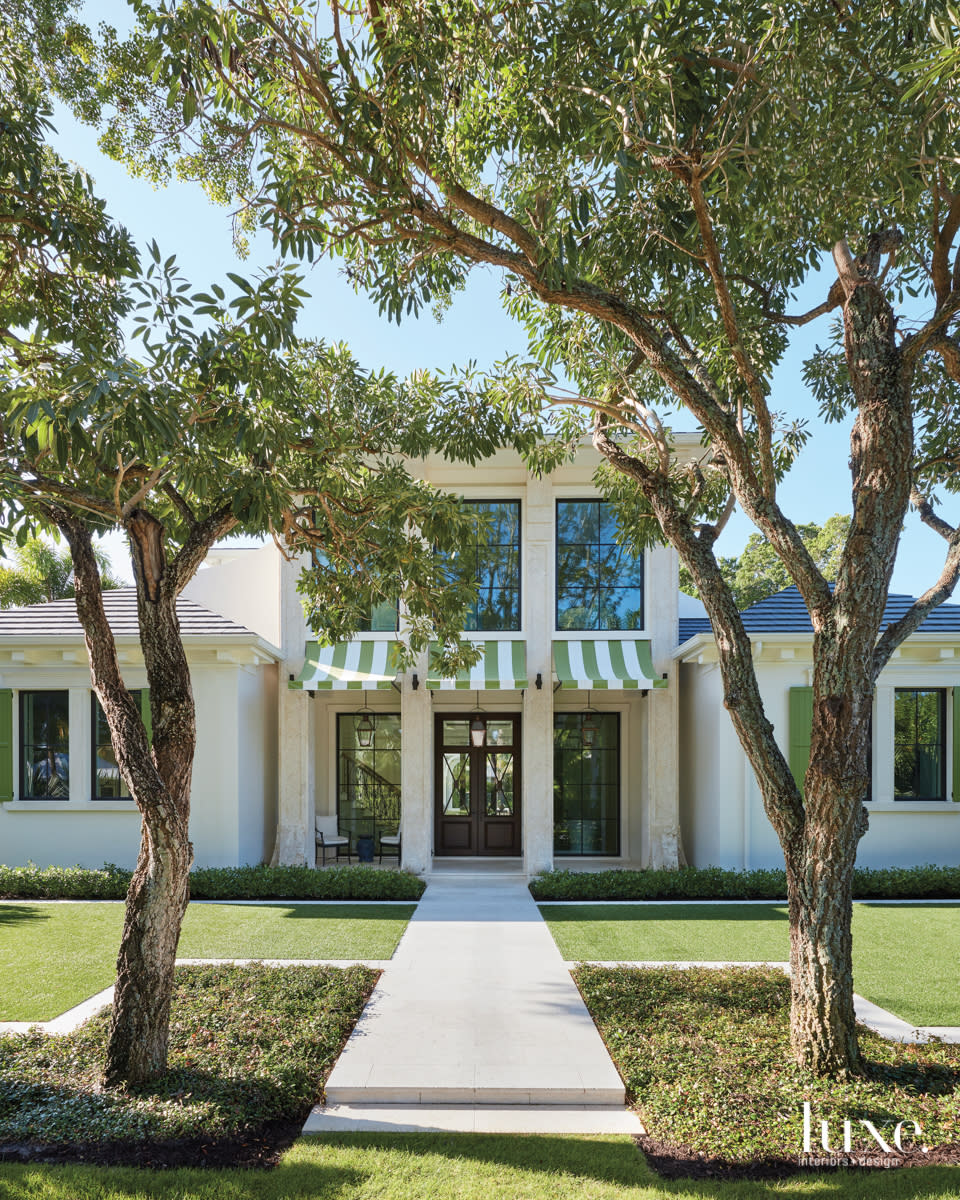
590, 733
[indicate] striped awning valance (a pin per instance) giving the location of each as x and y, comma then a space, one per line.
502, 666
348, 666
600, 663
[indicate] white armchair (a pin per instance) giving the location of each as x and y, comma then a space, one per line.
329, 837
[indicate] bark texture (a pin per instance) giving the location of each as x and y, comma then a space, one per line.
157, 775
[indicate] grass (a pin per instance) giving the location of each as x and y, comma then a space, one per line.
247, 1045
906, 957
466, 1166
53, 956
705, 1055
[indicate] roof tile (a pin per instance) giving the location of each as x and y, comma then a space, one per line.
58, 618
785, 612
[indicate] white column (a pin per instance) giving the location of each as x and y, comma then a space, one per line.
80, 717
416, 769
884, 734
661, 824
537, 731
295, 803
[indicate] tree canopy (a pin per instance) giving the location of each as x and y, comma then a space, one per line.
652, 183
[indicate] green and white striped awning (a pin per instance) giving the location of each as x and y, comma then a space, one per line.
348, 666
502, 666
615, 665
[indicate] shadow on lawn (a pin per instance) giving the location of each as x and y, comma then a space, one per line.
349, 912
560, 914
13, 914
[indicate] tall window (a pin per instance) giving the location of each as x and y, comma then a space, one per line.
107, 781
45, 745
368, 777
919, 744
492, 559
599, 584
586, 785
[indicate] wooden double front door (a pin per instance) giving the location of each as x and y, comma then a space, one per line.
477, 787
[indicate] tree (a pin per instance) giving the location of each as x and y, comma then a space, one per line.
211, 418
41, 571
757, 572
652, 183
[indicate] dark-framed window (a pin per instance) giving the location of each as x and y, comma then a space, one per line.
920, 744
492, 560
383, 616
599, 583
368, 777
45, 745
107, 781
586, 786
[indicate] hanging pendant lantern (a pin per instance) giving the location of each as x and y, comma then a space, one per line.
588, 730
365, 728
478, 726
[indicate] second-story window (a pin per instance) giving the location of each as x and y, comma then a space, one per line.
496, 560
599, 584
492, 560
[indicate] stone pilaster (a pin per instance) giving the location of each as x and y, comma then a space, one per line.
538, 705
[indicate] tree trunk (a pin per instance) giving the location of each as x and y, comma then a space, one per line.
159, 891
822, 1023
158, 778
156, 902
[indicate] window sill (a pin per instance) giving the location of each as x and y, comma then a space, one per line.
62, 806
908, 806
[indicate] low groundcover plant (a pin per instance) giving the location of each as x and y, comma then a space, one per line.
248, 1045
705, 1055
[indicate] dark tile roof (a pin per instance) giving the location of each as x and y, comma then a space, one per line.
58, 618
786, 612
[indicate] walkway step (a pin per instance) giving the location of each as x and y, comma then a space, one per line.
476, 1008
387, 1118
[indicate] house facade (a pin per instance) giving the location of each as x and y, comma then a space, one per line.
591, 732
914, 801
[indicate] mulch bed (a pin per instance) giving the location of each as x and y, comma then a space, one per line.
259, 1149
672, 1161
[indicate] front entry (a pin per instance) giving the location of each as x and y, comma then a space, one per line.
477, 787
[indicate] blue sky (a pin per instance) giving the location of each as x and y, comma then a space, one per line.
185, 223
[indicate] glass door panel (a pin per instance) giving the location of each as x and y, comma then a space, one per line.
456, 784
499, 785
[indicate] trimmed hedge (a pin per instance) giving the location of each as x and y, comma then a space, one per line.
715, 883
110, 882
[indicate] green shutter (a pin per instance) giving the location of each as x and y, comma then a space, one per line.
956, 745
145, 712
801, 725
6, 745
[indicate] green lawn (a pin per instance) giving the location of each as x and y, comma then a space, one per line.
413, 1166
53, 956
906, 957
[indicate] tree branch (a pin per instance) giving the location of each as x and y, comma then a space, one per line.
934, 596
781, 796
191, 554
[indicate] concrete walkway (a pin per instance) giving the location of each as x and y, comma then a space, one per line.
476, 1007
